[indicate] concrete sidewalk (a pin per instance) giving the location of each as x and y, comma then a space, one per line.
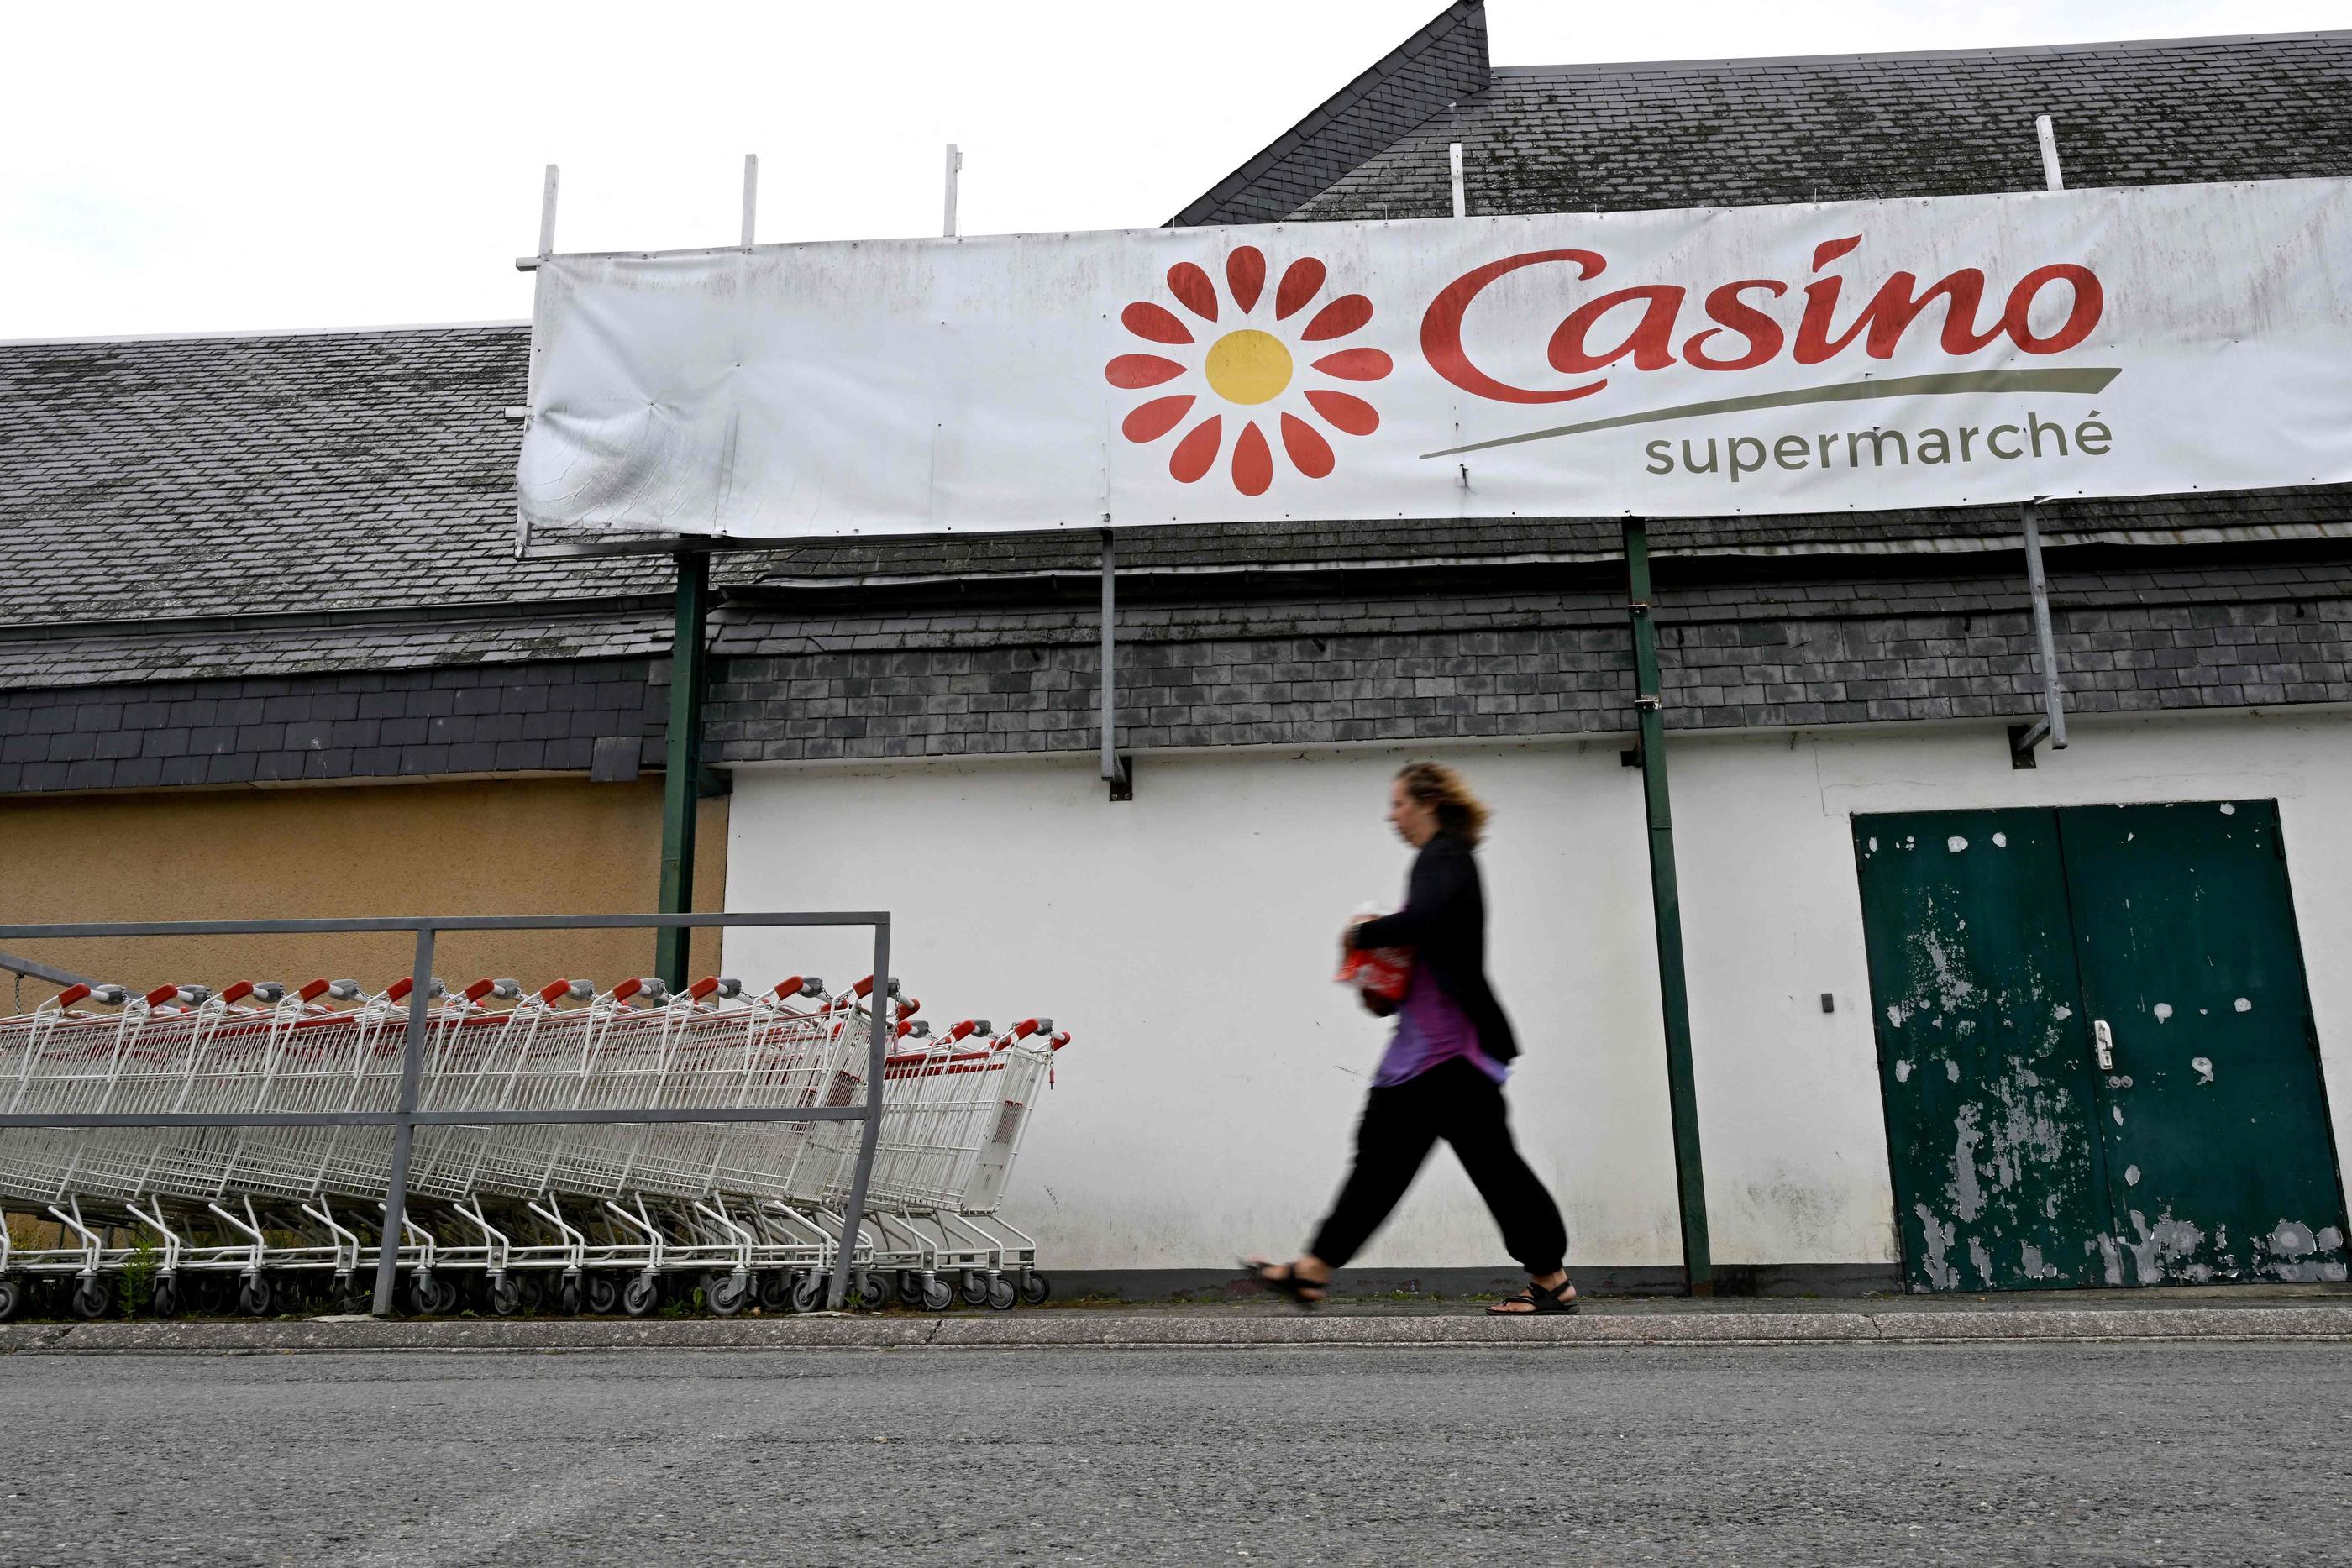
2084, 1317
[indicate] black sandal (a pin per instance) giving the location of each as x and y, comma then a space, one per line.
1288, 1284
1540, 1302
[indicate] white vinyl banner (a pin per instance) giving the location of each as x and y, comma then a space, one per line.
1861, 355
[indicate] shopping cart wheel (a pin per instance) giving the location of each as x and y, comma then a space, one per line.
534, 1295
641, 1294
423, 1301
937, 1295
1035, 1288
727, 1295
504, 1295
90, 1300
775, 1291
12, 1298
910, 1287
255, 1298
167, 1303
604, 1293
973, 1288
567, 1298
1001, 1293
808, 1292
873, 1291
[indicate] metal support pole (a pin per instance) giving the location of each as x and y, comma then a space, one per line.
1454, 160
1117, 771
877, 1053
2051, 724
2047, 134
955, 167
1665, 898
750, 197
412, 1064
682, 769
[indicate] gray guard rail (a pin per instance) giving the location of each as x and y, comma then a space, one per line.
406, 1118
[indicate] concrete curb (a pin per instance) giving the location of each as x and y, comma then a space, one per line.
1143, 1330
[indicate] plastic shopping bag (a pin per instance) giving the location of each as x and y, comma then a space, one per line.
1380, 975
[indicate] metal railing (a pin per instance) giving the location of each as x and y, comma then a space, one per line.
406, 1118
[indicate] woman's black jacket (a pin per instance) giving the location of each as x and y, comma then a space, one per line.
1443, 921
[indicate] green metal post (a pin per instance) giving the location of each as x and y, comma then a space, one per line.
682, 769
1674, 991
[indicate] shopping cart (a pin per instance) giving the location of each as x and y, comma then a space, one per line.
597, 1216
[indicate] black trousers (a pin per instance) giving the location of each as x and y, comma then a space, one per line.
1455, 1102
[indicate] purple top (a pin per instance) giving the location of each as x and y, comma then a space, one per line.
1431, 1028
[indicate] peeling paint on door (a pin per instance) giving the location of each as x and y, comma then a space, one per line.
2018, 1152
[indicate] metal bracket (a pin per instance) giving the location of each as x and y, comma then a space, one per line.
2051, 724
1118, 770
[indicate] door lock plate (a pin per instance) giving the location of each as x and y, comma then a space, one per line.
2103, 1043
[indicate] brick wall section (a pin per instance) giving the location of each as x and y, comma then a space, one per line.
1447, 661
1441, 63
1802, 653
402, 723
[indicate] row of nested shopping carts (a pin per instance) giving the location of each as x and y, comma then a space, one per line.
510, 1217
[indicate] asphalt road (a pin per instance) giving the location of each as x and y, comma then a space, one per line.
2204, 1454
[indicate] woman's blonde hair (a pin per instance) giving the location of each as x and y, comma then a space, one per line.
1438, 787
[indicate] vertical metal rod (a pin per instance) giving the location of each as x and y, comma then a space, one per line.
2047, 134
955, 165
750, 197
1110, 701
1453, 157
869, 1134
2053, 702
547, 212
1665, 898
682, 766
412, 1064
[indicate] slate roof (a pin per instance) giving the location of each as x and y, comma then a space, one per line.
187, 477
1712, 133
240, 505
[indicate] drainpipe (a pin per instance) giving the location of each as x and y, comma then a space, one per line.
1666, 900
682, 769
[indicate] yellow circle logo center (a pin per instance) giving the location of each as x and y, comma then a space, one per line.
1248, 366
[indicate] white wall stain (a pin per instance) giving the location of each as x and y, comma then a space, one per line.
1966, 1189
2163, 1011
2244, 1005
2034, 1268
2300, 1254
1951, 1071
2063, 1012
2131, 1176
1902, 1070
2111, 1260
2001, 842
2162, 1244
1956, 843
1982, 1260
2228, 809
1941, 1273
2204, 1067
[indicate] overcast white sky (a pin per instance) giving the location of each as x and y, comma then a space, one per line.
235, 166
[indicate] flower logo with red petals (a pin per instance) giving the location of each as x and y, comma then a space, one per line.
1245, 361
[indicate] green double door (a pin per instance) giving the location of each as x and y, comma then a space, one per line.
2097, 1050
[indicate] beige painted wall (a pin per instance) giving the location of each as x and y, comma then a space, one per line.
512, 846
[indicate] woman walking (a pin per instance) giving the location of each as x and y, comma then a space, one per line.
1442, 1075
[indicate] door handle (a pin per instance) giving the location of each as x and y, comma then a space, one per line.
2103, 1044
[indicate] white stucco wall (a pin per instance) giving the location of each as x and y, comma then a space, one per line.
1186, 939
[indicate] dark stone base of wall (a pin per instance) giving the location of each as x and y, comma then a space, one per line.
1825, 1280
